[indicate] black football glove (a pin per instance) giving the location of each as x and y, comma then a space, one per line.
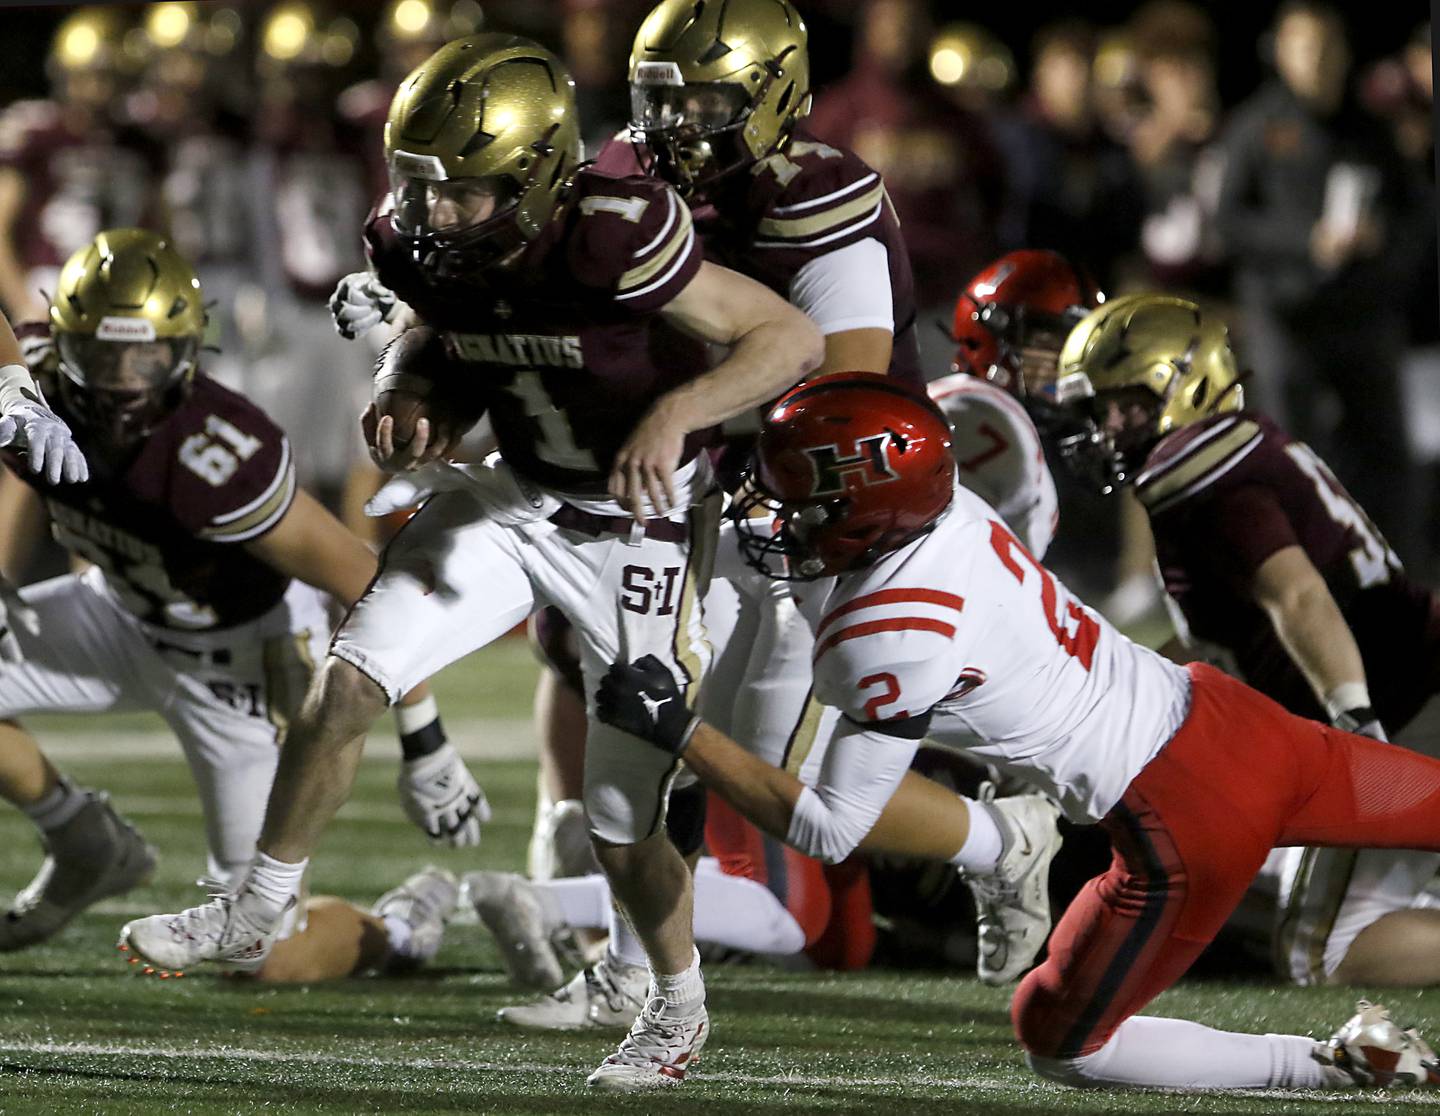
1362, 721
641, 698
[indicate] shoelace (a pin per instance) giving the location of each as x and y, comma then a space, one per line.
649, 1029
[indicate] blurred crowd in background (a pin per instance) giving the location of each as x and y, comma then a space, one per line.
1300, 203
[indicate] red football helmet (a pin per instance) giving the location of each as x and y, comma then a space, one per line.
1029, 299
848, 467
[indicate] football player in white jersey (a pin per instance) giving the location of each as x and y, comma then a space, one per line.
933, 620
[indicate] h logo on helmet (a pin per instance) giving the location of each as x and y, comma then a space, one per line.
869, 465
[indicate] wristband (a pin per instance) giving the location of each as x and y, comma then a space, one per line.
1345, 697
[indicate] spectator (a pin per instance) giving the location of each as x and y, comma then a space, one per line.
308, 171
941, 169
1074, 188
1172, 145
182, 104
69, 166
1315, 213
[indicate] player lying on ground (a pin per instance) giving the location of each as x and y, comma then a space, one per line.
1268, 557
933, 620
576, 310
203, 602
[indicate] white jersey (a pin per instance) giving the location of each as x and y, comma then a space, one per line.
965, 624
998, 455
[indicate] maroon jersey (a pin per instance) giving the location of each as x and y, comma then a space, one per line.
567, 350
794, 207
939, 163
166, 528
1225, 494
76, 184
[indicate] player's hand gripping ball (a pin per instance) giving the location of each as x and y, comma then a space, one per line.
421, 407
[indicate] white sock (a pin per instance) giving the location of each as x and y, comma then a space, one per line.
579, 902
53, 810
398, 931
1179, 1054
741, 914
985, 842
624, 947
274, 880
685, 990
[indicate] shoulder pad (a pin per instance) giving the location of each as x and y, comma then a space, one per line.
1194, 459
233, 472
633, 237
888, 653
822, 195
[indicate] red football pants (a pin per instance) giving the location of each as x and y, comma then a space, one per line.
1240, 777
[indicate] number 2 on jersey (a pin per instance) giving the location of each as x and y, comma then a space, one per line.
1074, 629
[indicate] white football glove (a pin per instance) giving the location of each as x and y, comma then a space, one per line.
360, 303
442, 797
49, 444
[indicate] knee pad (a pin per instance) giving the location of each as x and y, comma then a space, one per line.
685, 818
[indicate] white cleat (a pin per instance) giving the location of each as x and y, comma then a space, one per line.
604, 995
235, 931
660, 1049
94, 855
424, 902
511, 907
1373, 1052
1013, 904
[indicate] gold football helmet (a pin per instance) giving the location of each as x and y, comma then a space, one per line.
716, 86
128, 317
482, 141
1147, 345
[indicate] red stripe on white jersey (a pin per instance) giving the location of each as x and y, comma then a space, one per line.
984, 390
896, 624
892, 596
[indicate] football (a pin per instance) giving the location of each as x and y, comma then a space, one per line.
415, 378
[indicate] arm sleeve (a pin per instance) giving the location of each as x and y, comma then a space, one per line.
847, 289
861, 769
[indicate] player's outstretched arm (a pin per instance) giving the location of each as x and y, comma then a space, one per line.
437, 791
24, 417
772, 347
1314, 633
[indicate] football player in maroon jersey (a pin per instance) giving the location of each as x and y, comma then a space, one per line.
203, 601
574, 309
811, 222
933, 622
1266, 555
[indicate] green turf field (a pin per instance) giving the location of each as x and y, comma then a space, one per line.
80, 1034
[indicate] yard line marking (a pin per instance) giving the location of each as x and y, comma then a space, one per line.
1417, 1097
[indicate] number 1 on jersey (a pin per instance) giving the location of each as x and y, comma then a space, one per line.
556, 443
